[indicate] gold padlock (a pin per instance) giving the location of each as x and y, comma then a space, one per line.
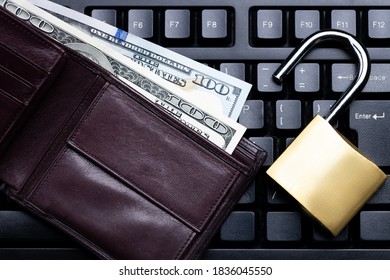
321, 169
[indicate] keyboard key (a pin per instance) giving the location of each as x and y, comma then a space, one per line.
252, 114
277, 195
289, 140
288, 114
177, 24
22, 227
214, 24
371, 120
382, 196
323, 235
344, 74
306, 23
269, 24
266, 143
379, 78
265, 82
234, 69
344, 20
322, 107
379, 24
141, 23
283, 226
249, 195
307, 77
375, 225
239, 226
106, 15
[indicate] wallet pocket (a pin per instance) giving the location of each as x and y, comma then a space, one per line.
14, 86
20, 68
78, 195
15, 92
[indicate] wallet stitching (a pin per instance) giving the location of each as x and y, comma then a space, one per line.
86, 116
218, 199
185, 244
198, 225
52, 169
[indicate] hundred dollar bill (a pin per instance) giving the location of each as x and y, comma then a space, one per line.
219, 129
229, 93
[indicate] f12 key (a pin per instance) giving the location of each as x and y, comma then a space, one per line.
371, 120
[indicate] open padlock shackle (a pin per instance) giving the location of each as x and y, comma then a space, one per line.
361, 54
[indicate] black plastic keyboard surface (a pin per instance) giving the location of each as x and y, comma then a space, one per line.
249, 39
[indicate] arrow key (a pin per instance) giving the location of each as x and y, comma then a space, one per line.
371, 120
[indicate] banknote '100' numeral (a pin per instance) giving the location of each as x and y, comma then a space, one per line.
211, 84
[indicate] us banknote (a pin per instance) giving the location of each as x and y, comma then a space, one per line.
218, 128
224, 92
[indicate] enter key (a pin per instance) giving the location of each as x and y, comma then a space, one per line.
371, 120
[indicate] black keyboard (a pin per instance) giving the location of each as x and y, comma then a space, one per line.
249, 39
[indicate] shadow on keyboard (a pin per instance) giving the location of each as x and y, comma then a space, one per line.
249, 39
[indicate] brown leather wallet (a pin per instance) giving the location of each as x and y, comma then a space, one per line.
96, 159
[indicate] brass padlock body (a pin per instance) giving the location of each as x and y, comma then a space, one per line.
327, 174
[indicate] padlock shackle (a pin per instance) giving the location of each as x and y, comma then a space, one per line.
346, 39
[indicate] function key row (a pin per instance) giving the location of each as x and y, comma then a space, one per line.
272, 25
215, 27
185, 26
